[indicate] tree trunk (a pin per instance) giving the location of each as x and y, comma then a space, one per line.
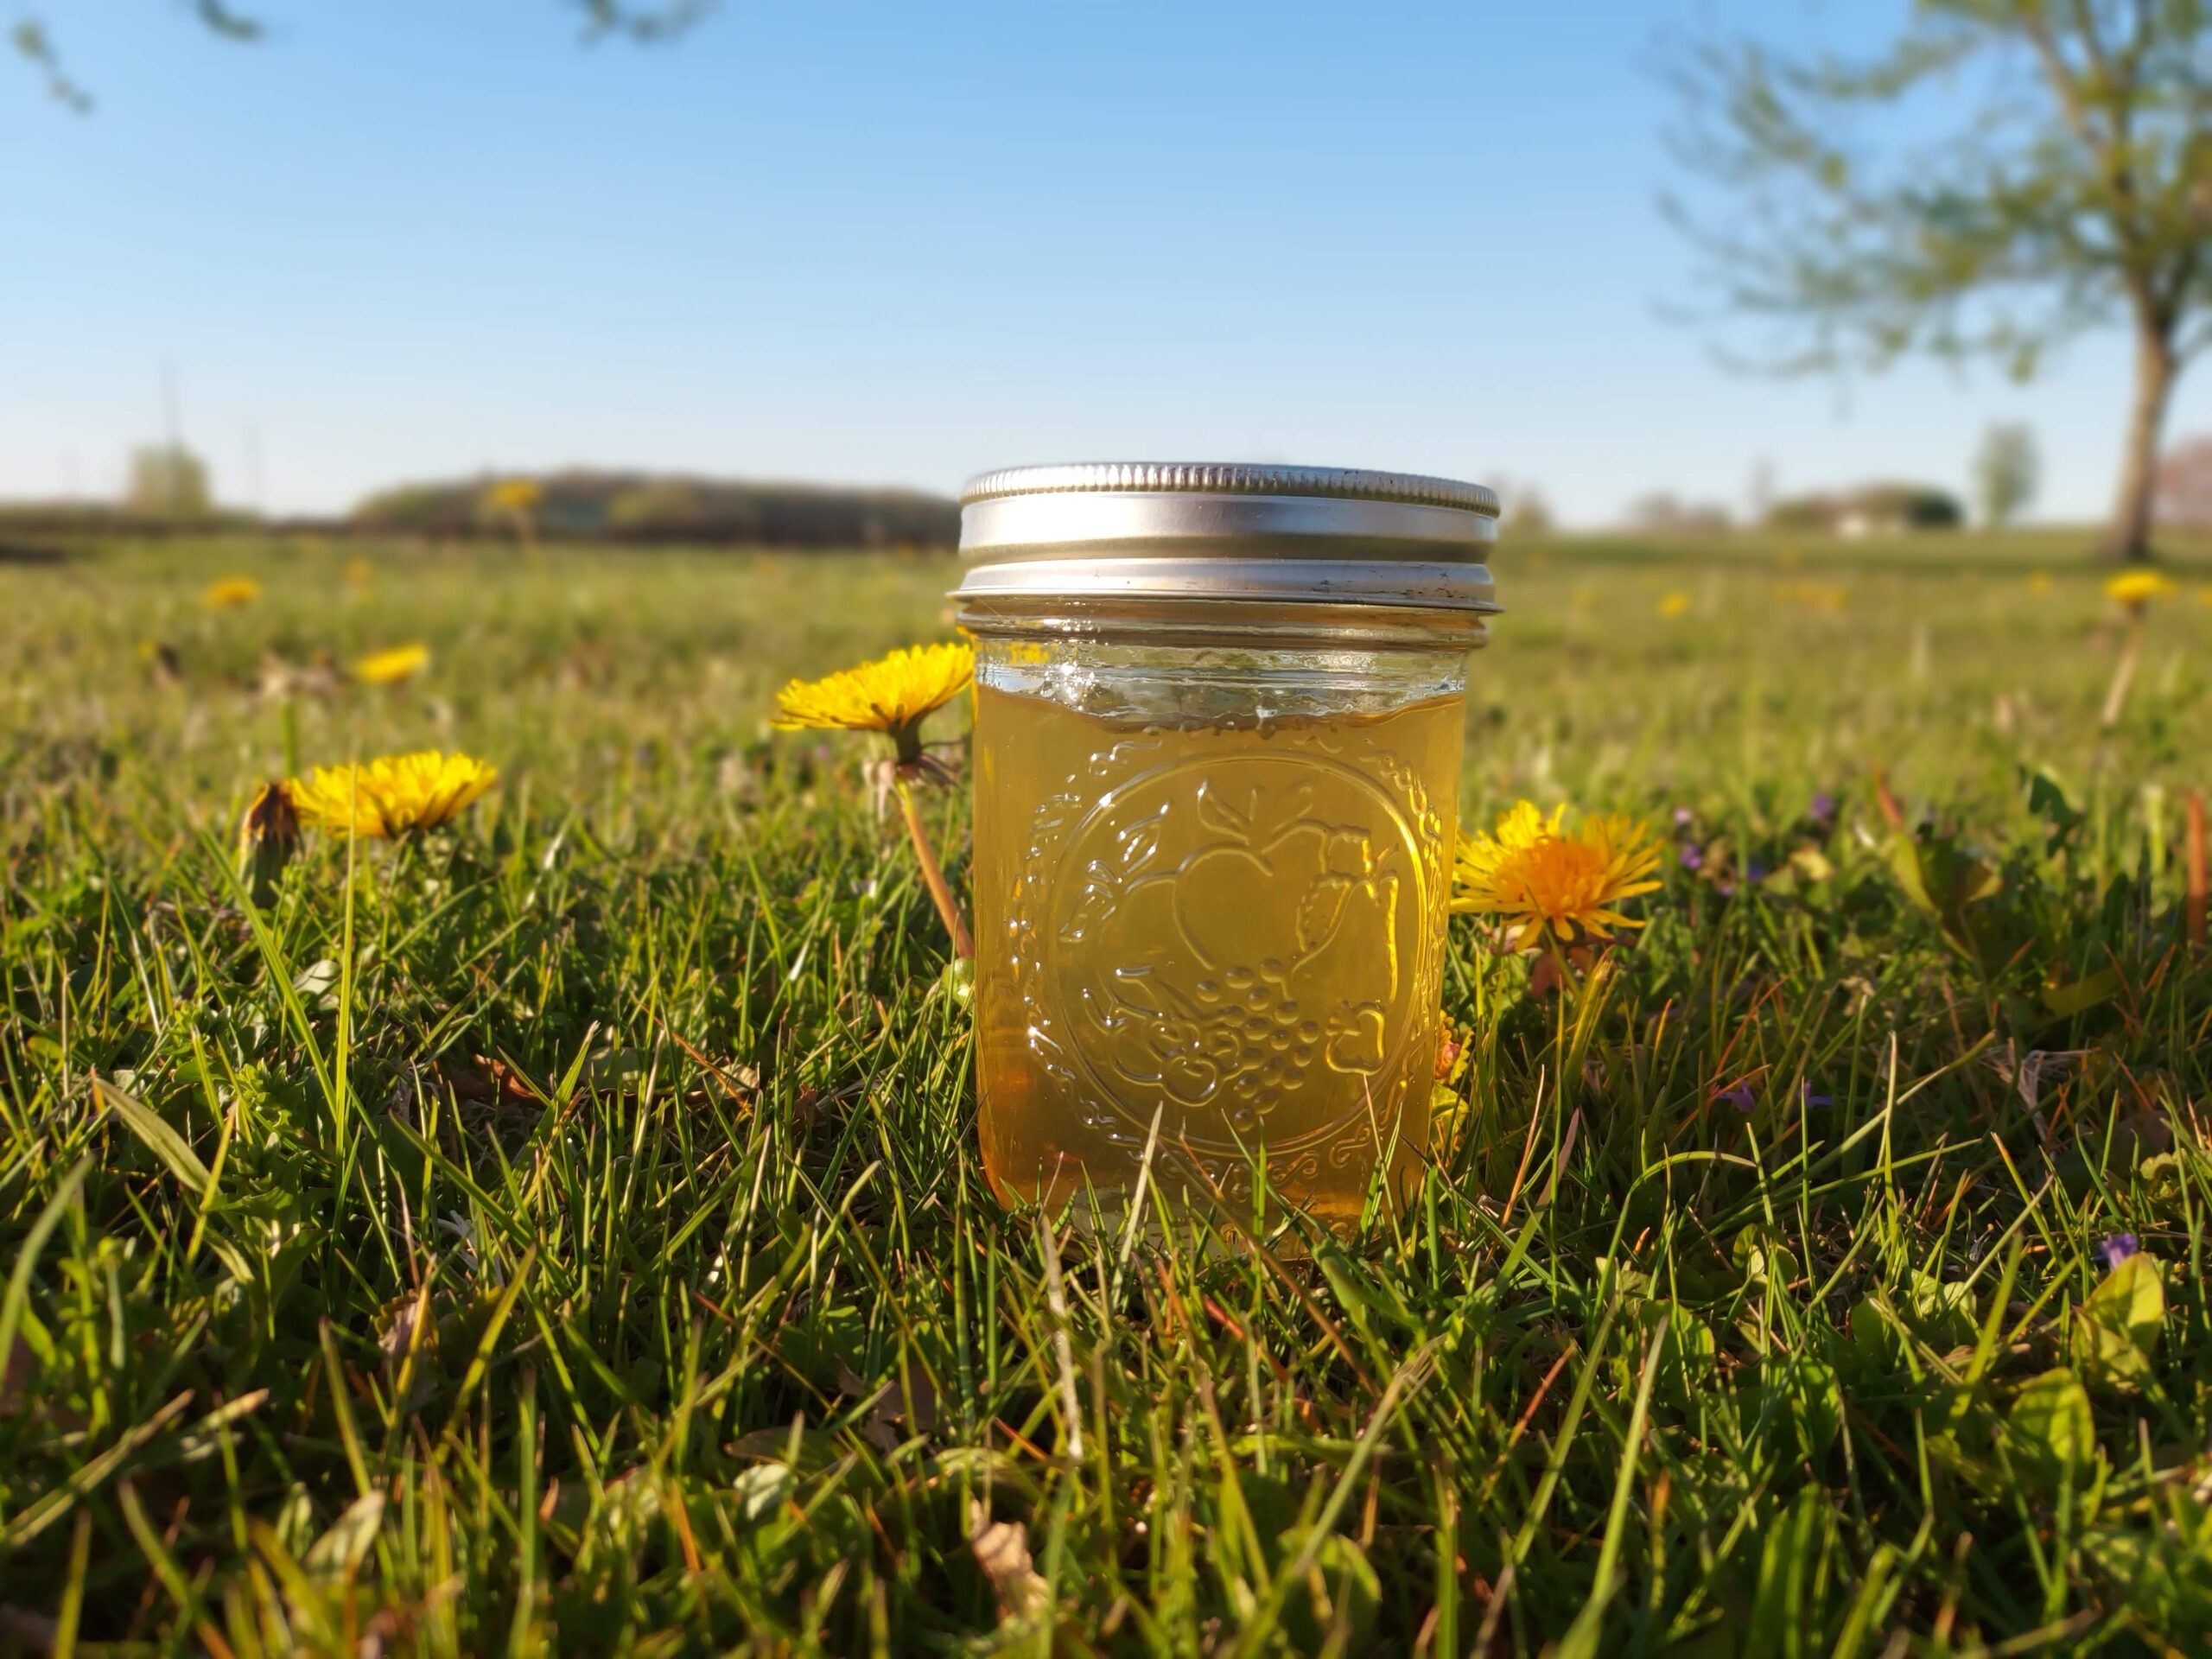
2127, 535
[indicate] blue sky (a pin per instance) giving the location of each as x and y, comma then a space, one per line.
902, 244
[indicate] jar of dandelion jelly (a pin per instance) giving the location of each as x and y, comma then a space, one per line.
1219, 717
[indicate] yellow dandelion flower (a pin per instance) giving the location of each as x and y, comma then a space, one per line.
2204, 594
1830, 596
892, 694
392, 795
516, 495
358, 572
2039, 581
1546, 882
231, 593
391, 667
1674, 605
2139, 588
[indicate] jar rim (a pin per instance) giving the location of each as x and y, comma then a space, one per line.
1206, 531
1228, 478
1296, 625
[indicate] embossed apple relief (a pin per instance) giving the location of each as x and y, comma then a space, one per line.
1230, 936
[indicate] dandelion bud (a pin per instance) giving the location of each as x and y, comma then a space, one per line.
267, 836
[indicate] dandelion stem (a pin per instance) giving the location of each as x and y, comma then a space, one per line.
2123, 673
933, 873
2193, 855
291, 718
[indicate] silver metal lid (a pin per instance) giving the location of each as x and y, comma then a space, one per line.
1151, 529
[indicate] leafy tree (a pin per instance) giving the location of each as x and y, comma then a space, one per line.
2007, 471
656, 20
2185, 485
2065, 182
168, 481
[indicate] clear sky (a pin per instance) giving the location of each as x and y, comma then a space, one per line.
905, 241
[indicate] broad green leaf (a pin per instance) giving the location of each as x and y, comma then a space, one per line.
2163, 1572
1812, 863
761, 1490
2063, 1001
2048, 800
1869, 1331
1340, 1591
1686, 1356
1802, 1405
150, 1127
2114, 1334
1962, 892
1760, 1255
1945, 1312
2049, 1428
341, 1551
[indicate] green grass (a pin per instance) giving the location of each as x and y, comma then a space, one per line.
568, 1234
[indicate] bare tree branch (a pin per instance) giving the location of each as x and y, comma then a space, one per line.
35, 46
662, 19
646, 24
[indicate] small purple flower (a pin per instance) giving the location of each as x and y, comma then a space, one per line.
1805, 1096
1684, 818
1823, 808
1740, 1096
1755, 871
1693, 860
2117, 1249
1726, 889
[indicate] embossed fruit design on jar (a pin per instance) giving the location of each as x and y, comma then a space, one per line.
1219, 719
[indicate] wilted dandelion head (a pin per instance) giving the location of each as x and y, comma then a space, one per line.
391, 667
1676, 604
892, 694
270, 819
231, 593
1548, 882
1447, 1107
394, 795
269, 835
2136, 589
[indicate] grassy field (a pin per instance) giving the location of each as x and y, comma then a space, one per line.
567, 1233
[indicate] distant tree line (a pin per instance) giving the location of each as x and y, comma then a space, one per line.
1871, 509
1864, 510
643, 507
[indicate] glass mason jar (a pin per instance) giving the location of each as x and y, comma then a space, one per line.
1219, 717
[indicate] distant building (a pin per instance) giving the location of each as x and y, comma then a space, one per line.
1884, 509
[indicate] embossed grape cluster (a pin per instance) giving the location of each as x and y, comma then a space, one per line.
1258, 1035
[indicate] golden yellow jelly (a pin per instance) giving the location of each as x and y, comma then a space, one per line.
1230, 927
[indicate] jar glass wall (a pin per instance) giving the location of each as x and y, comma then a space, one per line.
1213, 849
